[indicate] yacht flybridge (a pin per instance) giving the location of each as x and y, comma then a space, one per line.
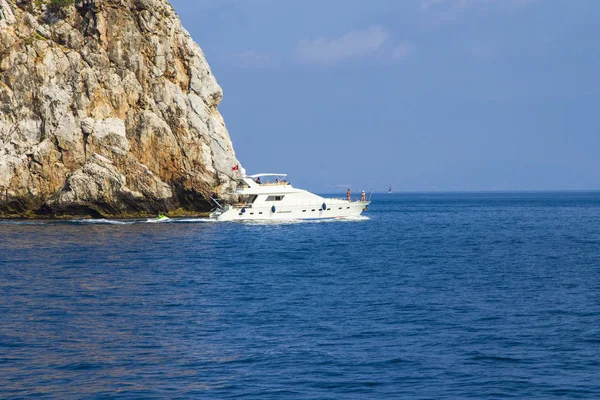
271, 197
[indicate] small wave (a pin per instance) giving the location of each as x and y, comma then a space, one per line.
341, 219
105, 221
17, 222
101, 221
195, 220
356, 218
494, 358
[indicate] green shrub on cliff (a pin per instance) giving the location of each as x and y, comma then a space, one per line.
57, 4
59, 7
61, 3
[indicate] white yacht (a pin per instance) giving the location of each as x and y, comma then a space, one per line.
271, 197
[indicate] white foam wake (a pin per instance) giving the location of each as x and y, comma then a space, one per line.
100, 221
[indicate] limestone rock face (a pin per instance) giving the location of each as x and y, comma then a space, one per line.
108, 108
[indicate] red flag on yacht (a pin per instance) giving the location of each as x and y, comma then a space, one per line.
235, 168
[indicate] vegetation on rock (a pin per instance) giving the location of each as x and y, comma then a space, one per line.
62, 3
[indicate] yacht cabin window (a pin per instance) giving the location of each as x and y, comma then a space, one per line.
275, 198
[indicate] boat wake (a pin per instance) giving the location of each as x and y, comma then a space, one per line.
100, 222
157, 220
355, 218
304, 221
20, 222
194, 220
181, 221
146, 221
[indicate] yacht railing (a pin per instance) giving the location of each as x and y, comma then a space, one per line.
274, 183
345, 199
305, 203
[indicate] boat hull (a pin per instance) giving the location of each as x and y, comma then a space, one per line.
334, 210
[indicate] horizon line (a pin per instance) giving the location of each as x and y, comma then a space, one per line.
484, 191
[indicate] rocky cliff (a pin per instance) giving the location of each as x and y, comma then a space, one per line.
108, 108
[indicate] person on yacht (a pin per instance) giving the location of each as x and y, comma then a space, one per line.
349, 195
363, 196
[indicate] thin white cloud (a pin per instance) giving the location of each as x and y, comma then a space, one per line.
371, 42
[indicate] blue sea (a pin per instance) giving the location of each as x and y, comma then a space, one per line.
430, 296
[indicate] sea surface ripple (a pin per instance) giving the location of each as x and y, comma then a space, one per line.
433, 296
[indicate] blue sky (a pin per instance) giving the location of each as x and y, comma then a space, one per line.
425, 95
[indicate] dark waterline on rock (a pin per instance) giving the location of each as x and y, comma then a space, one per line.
433, 296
